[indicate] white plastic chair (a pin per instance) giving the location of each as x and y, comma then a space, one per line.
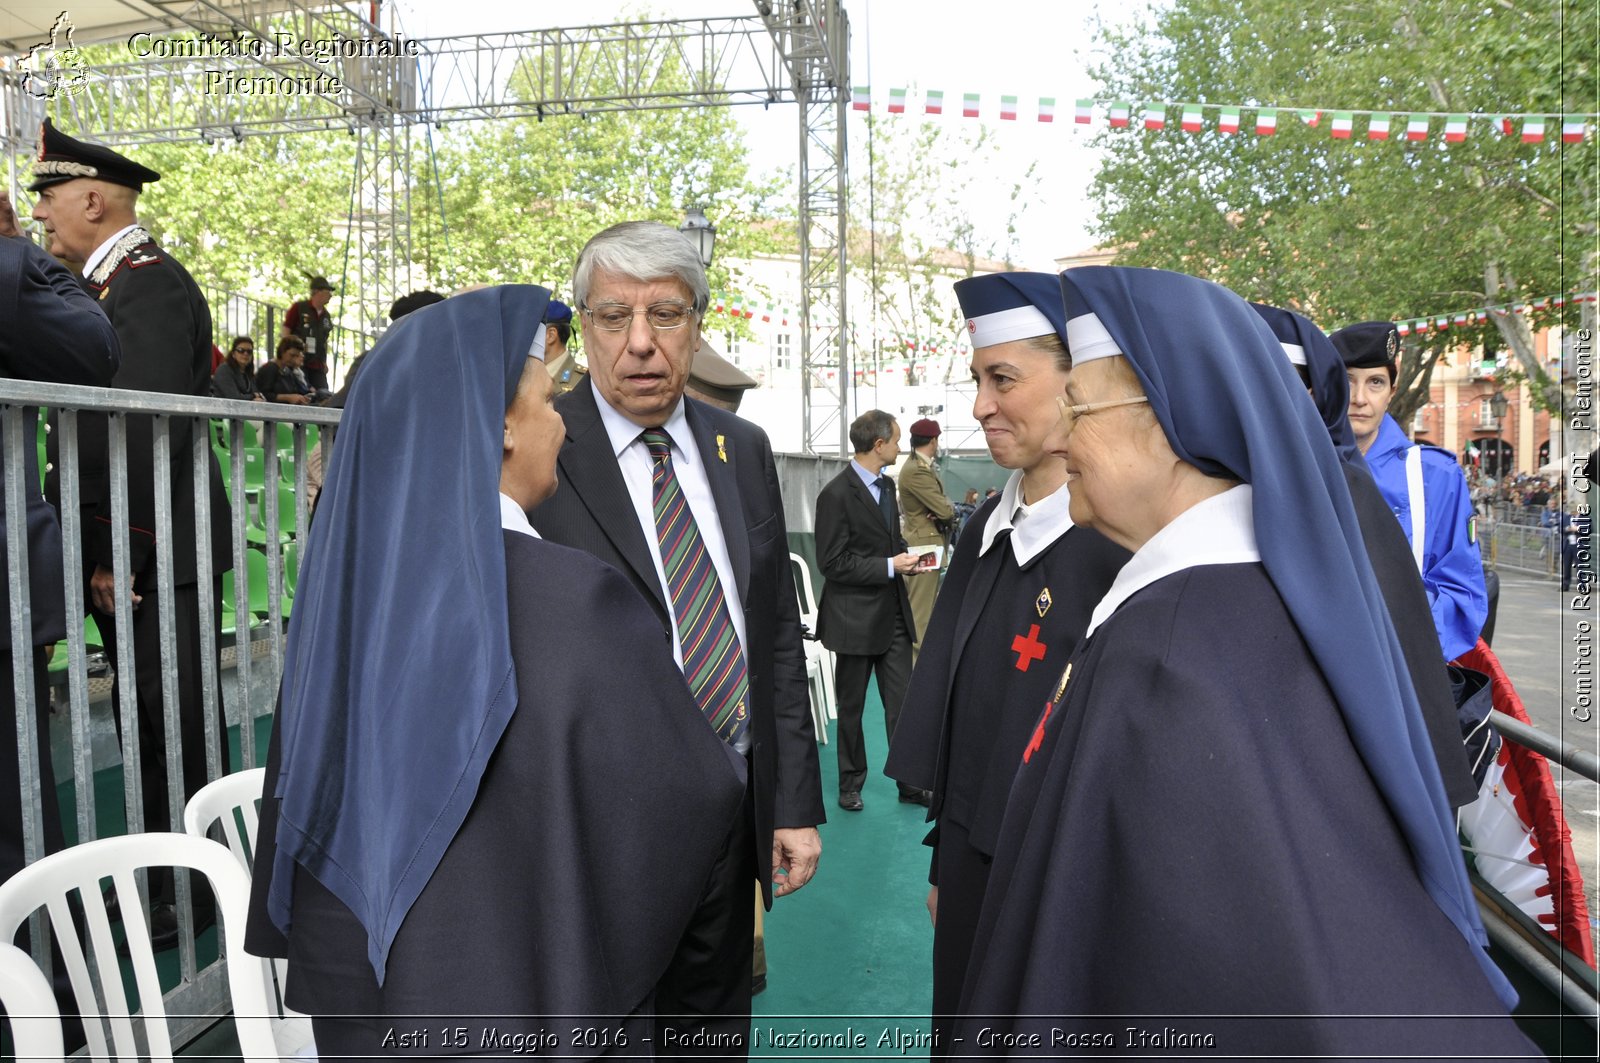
30, 1008
231, 801
50, 882
819, 659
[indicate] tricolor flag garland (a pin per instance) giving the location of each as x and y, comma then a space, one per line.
1343, 124
1463, 318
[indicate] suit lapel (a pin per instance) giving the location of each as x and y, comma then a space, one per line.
859, 492
720, 459
589, 469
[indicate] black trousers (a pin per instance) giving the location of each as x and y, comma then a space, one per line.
963, 874
703, 1001
850, 674
151, 711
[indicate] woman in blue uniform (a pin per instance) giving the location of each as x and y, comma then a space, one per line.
1227, 831
1012, 609
444, 835
1441, 531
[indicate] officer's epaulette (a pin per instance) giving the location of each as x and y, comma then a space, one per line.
144, 256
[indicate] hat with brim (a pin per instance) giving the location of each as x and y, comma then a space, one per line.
712, 374
62, 158
320, 284
1368, 345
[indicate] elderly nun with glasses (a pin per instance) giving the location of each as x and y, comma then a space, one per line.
441, 835
1227, 831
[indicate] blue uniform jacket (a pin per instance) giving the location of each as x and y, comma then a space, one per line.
1452, 569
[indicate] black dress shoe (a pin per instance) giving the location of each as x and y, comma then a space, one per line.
850, 801
917, 797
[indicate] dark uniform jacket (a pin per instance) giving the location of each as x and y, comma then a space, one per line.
164, 326
859, 594
49, 330
592, 511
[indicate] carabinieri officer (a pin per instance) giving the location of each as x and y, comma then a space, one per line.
1423, 485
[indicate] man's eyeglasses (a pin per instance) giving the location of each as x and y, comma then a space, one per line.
662, 317
1070, 413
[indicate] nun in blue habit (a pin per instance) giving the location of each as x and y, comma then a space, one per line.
1314, 355
1011, 610
489, 792
1228, 832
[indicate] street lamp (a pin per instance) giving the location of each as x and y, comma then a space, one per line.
1497, 406
698, 228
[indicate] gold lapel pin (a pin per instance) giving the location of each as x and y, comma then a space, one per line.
722, 452
1043, 602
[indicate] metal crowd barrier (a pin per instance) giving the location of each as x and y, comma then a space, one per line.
1525, 548
197, 994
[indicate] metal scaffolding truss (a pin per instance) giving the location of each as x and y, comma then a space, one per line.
242, 71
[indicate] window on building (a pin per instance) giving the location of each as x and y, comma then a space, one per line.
782, 351
733, 346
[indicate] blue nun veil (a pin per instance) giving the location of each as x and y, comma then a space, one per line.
398, 680
1223, 391
1330, 388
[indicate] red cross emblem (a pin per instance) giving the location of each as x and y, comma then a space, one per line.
1028, 648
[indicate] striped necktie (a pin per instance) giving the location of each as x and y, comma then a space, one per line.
713, 661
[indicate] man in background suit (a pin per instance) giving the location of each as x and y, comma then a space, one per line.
632, 442
864, 616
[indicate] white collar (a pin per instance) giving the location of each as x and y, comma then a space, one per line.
1219, 531
104, 249
624, 433
512, 517
1033, 527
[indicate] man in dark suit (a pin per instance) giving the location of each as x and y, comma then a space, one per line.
87, 200
682, 498
865, 616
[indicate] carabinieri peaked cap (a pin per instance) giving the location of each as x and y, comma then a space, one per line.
1368, 345
1000, 307
62, 158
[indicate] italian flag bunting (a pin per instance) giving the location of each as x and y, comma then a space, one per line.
1191, 117
1082, 112
1501, 124
1008, 108
1417, 127
766, 315
1455, 128
1155, 116
1378, 127
1571, 130
720, 305
1343, 123
1266, 121
934, 103
1228, 121
1404, 328
1047, 108
969, 105
1310, 117
1118, 117
862, 99
897, 101
1533, 129
1459, 320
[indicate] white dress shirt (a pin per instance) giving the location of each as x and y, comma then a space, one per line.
633, 458
1033, 528
512, 517
876, 492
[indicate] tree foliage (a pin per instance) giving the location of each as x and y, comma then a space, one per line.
1351, 230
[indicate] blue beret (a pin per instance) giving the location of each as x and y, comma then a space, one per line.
557, 313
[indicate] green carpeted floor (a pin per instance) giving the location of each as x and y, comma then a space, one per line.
848, 956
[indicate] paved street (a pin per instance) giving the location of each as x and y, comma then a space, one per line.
1534, 640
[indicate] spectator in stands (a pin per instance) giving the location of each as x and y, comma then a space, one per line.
235, 378
445, 918
280, 380
310, 321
